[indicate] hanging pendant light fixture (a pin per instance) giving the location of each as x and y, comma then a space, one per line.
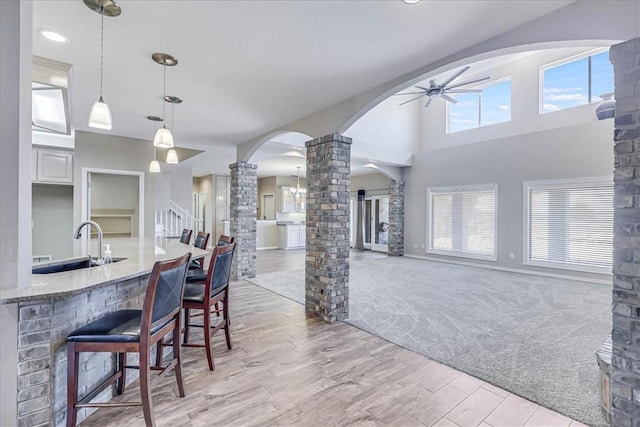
154, 166
163, 137
100, 114
172, 155
298, 191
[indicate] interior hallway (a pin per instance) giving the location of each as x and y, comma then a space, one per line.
288, 370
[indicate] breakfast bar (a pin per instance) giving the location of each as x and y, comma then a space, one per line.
57, 303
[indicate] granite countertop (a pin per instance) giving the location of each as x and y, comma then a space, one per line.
141, 254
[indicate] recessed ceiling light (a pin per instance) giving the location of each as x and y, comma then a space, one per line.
412, 1
53, 36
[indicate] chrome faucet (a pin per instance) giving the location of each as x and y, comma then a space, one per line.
78, 234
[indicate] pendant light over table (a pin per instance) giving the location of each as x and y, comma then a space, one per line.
154, 166
100, 114
163, 137
172, 155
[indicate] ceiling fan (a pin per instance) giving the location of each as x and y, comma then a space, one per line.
443, 89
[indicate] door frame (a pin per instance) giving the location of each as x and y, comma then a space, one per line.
375, 246
84, 212
274, 204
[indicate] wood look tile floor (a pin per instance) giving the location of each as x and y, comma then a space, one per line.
289, 370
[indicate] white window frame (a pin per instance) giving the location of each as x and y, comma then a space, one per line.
558, 63
577, 182
481, 87
463, 188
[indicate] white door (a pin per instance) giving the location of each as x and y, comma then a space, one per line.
268, 207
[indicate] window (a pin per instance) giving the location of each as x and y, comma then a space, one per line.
492, 105
570, 224
576, 82
462, 221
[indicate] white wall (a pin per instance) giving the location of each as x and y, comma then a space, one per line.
387, 125
52, 213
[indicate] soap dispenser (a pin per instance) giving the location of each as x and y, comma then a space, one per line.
107, 254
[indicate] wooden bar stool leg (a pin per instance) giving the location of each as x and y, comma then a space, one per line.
72, 384
225, 312
187, 319
207, 337
177, 354
122, 382
145, 387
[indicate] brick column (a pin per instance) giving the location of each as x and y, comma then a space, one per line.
327, 262
625, 379
244, 197
396, 218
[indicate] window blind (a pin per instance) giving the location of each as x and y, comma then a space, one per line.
571, 223
462, 221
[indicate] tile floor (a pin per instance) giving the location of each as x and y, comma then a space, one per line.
289, 370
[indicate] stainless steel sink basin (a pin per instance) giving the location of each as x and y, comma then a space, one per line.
68, 265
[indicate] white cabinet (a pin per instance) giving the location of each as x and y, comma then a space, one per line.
51, 166
292, 236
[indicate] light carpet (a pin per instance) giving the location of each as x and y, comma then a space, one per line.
533, 336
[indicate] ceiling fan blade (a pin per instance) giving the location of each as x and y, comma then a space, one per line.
454, 76
468, 82
407, 93
423, 88
448, 98
413, 99
447, 90
428, 102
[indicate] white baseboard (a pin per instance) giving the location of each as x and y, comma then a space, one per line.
515, 270
266, 248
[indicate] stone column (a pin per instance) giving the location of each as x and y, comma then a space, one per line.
243, 206
396, 218
625, 378
327, 262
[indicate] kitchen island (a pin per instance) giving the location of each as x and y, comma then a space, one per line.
56, 304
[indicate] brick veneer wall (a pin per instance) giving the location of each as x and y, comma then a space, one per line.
42, 352
244, 215
396, 218
625, 379
327, 250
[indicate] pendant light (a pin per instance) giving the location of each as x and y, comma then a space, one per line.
163, 137
100, 114
172, 155
154, 166
298, 191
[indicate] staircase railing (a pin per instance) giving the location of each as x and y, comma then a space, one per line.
171, 222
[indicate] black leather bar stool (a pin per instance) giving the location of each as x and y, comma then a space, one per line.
201, 242
202, 296
127, 331
185, 237
199, 275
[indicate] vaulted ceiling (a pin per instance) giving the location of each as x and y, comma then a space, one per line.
247, 67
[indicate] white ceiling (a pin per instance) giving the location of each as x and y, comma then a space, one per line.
247, 67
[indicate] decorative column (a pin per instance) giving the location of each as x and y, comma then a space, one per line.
625, 378
243, 206
16, 23
327, 262
396, 218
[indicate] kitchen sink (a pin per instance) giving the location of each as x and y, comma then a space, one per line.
68, 265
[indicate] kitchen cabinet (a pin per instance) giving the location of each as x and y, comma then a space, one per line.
291, 236
51, 166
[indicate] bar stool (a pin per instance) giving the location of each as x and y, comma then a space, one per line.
185, 237
201, 242
202, 296
126, 331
